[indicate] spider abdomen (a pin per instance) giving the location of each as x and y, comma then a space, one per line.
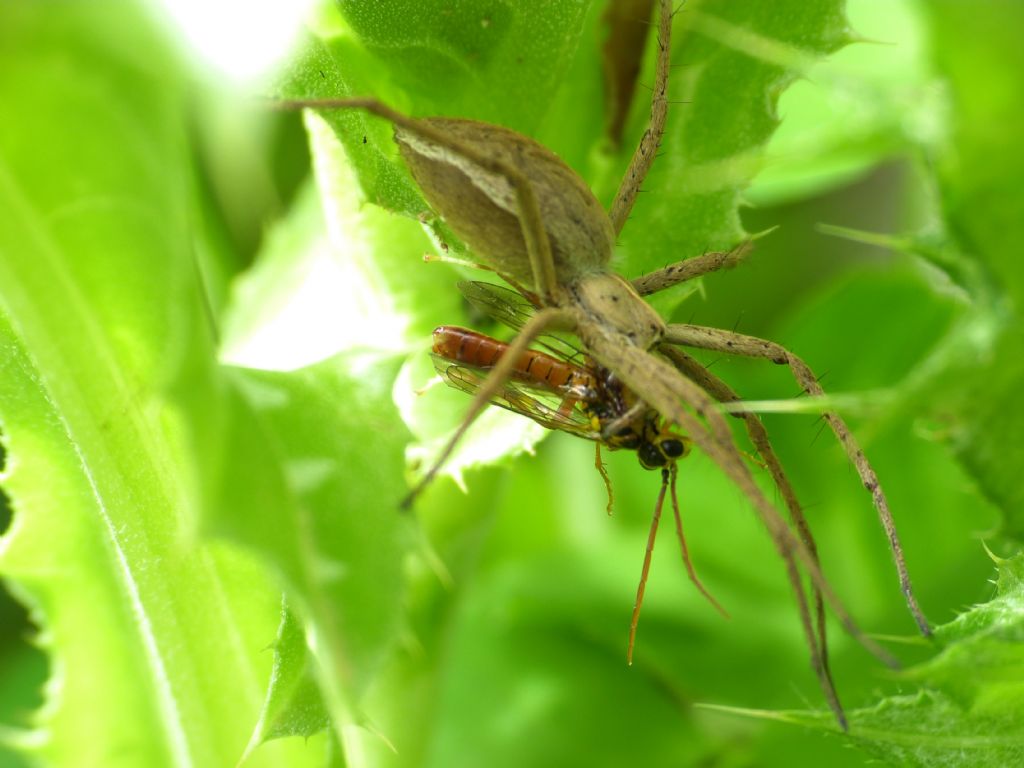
480, 204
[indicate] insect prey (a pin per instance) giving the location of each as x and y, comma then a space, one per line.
584, 400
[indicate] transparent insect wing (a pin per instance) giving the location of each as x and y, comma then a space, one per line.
513, 310
543, 406
503, 304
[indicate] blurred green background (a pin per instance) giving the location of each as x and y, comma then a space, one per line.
499, 634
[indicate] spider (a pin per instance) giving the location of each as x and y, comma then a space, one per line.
530, 218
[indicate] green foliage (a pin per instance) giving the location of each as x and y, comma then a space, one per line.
155, 638
980, 173
963, 713
179, 454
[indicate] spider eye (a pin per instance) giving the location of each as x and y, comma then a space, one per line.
672, 447
650, 457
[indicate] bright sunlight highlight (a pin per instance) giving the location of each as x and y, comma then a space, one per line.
316, 289
238, 39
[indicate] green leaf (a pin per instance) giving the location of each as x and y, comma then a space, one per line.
155, 638
981, 167
986, 427
980, 171
317, 73
875, 100
733, 62
500, 63
336, 543
294, 705
970, 692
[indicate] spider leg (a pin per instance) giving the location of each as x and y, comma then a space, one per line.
751, 346
604, 476
690, 570
759, 437
635, 618
666, 390
635, 411
688, 269
646, 150
496, 378
440, 258
535, 235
